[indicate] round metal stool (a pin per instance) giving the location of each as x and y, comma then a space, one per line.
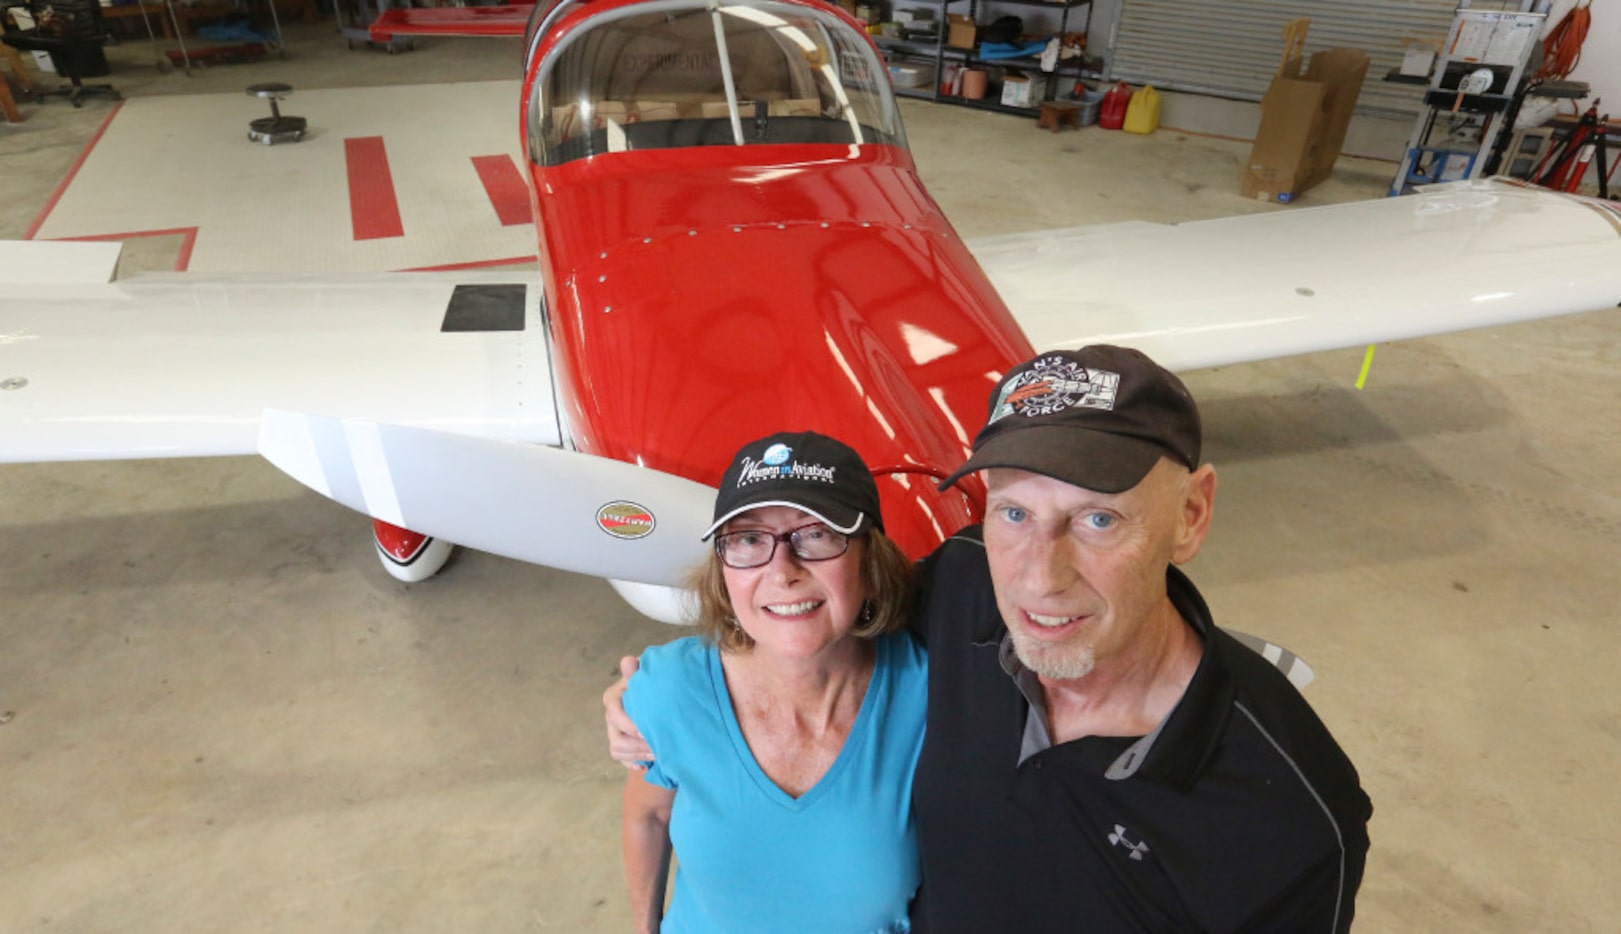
275, 128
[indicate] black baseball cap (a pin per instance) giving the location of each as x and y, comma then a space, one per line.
805, 470
1100, 418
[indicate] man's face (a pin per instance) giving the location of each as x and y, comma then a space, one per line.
1080, 575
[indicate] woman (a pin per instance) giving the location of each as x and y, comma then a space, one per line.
786, 733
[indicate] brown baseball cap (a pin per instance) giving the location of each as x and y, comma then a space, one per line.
1100, 418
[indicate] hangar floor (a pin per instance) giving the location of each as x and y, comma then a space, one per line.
219, 714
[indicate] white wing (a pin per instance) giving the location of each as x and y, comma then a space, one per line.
563, 509
180, 365
42, 262
1206, 293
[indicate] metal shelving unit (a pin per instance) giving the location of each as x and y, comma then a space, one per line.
916, 50
939, 55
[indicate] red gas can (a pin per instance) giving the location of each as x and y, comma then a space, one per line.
1112, 114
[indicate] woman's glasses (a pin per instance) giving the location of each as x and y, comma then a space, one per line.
754, 548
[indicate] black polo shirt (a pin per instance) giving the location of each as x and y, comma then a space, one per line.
1239, 813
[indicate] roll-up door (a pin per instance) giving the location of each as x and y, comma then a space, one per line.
1231, 48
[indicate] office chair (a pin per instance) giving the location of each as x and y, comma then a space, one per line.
72, 33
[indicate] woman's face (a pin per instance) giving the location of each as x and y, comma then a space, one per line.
789, 606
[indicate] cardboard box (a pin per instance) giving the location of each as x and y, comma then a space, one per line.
1304, 117
795, 107
1023, 90
961, 32
1418, 57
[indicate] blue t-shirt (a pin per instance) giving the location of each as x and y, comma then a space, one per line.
840, 858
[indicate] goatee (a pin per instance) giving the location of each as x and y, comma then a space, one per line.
1058, 662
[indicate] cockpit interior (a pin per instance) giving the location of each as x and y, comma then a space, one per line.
694, 73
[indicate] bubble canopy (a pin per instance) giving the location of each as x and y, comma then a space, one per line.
678, 73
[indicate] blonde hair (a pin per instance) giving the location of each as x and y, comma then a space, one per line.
886, 575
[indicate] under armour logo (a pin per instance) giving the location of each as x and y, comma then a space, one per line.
1118, 838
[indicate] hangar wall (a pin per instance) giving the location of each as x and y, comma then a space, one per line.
1600, 64
1230, 107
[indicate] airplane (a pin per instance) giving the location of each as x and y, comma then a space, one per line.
733, 240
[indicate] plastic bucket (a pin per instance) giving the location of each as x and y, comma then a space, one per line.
1090, 101
973, 84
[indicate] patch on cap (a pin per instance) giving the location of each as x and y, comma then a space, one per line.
777, 463
1054, 384
1105, 415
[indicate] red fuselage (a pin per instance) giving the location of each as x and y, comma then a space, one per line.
702, 297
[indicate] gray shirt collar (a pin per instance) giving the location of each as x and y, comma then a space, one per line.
1037, 738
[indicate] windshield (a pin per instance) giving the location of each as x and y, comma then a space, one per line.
686, 73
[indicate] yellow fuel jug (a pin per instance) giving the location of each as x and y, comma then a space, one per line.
1142, 114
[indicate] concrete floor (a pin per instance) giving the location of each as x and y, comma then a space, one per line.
221, 715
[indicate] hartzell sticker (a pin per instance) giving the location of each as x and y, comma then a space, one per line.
624, 519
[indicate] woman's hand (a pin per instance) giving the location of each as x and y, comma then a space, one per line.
625, 743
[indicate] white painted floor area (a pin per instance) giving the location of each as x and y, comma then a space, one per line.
221, 715
287, 206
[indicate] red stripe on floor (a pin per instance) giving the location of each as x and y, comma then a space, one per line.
372, 204
188, 241
73, 171
505, 187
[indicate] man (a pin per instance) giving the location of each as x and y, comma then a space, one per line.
1098, 754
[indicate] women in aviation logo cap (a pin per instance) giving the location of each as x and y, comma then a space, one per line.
805, 470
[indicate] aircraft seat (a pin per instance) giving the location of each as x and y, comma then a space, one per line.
566, 122
618, 126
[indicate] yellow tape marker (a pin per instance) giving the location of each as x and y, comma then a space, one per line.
1367, 362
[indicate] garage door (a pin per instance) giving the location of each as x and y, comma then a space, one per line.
1231, 48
